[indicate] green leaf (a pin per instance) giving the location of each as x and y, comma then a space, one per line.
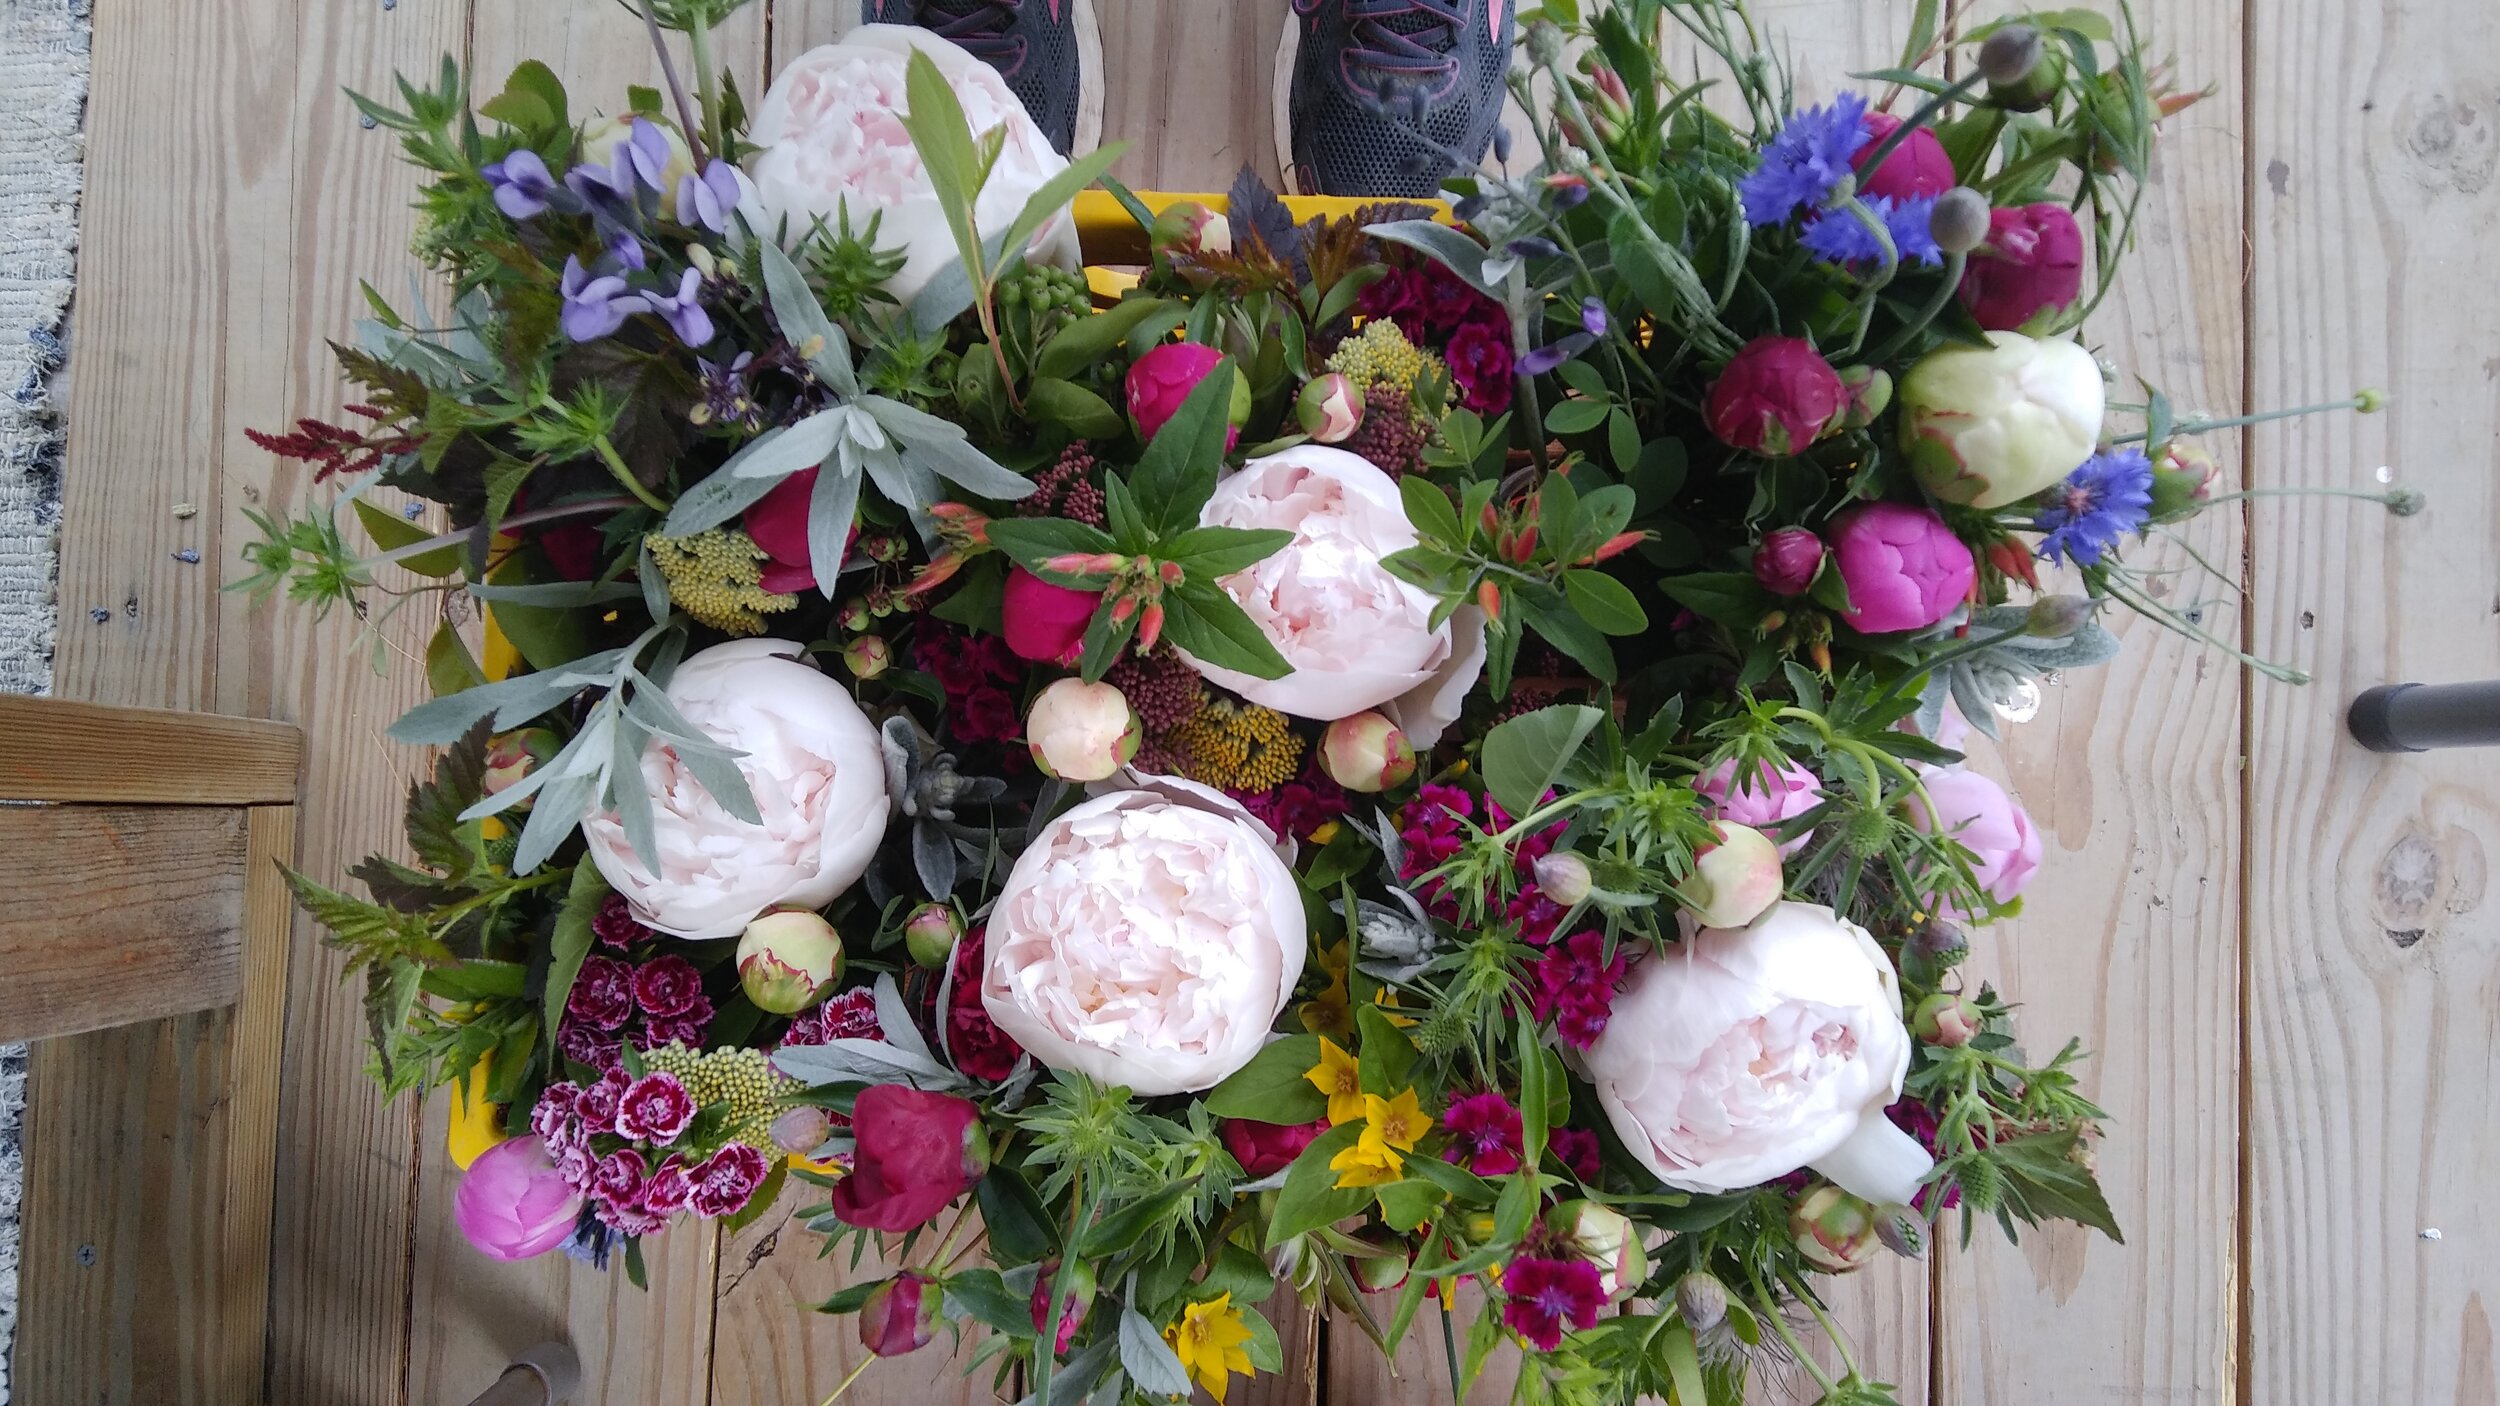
1406, 1205
1558, 512
981, 1294
1053, 195
1386, 1056
1176, 475
1204, 621
449, 668
1271, 1087
547, 636
572, 938
1524, 755
1461, 1184
1031, 541
1074, 408
1682, 1360
2046, 1181
1730, 597
1087, 341
1576, 416
1659, 475
1342, 858
1221, 551
1623, 441
939, 132
852, 1298
1122, 1229
1544, 608
1264, 1351
391, 532
1428, 509
1310, 1197
1020, 1226
369, 933
1535, 1096
1604, 602
477, 979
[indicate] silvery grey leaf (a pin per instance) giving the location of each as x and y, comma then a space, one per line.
1446, 247
441, 721
933, 858
1148, 1359
623, 788
556, 594
948, 293
559, 810
894, 1019
725, 494
804, 324
1977, 708
654, 585
830, 508
947, 451
862, 1062
908, 486
715, 767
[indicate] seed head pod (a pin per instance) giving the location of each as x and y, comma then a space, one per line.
1961, 220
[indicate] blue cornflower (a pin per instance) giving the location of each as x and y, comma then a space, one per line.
1837, 237
2110, 496
521, 183
1805, 162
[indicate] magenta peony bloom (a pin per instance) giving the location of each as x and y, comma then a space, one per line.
1045, 624
1982, 818
1480, 366
916, 1153
1777, 396
1787, 561
513, 1203
667, 986
1904, 568
1543, 1295
1486, 1134
1163, 378
2033, 261
1917, 167
655, 1109
1264, 1149
1766, 799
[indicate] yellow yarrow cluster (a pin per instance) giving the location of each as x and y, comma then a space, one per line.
1237, 746
743, 1079
1380, 353
716, 577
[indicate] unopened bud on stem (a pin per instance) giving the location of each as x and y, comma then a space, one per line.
1960, 222
2009, 55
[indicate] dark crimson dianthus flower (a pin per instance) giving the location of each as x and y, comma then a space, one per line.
1543, 1295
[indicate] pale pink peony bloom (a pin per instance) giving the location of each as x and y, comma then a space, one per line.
1356, 636
1764, 801
1982, 818
1147, 938
1743, 1054
831, 129
817, 771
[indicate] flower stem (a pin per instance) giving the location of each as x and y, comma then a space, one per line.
624, 475
706, 76
846, 1381
676, 87
1840, 1342
1927, 112
2236, 421
1769, 1305
1936, 301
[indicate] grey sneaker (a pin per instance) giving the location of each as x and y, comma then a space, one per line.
1390, 97
1049, 51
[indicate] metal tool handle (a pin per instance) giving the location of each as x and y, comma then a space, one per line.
2414, 717
546, 1375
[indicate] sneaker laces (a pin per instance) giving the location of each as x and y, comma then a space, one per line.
1403, 43
978, 25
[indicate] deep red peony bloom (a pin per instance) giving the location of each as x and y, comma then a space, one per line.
1480, 367
981, 1049
778, 523
667, 985
2033, 261
1542, 1295
1487, 1136
1045, 623
916, 1153
1917, 167
1776, 397
1264, 1149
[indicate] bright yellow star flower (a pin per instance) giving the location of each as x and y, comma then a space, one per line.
1339, 1076
1400, 1122
1208, 1339
1369, 1162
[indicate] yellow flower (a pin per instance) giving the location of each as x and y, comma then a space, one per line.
1208, 1339
1331, 1012
1341, 1078
476, 1123
716, 577
1379, 354
1237, 746
1400, 1122
1369, 1162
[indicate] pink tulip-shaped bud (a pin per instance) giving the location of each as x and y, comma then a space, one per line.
1079, 1288
930, 933
1189, 227
868, 656
789, 960
1082, 731
1736, 880
1946, 1019
1367, 753
1777, 396
510, 757
513, 1203
1916, 166
1834, 1230
1330, 408
901, 1315
1787, 561
802, 1130
1045, 623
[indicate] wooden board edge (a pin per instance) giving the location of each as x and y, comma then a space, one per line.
252, 1097
54, 749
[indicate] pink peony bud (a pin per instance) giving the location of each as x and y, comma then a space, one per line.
2032, 263
1189, 227
1367, 753
1905, 570
1165, 376
510, 757
802, 1130
1563, 877
1082, 731
1330, 408
789, 960
1946, 1019
1918, 166
1787, 561
1835, 1230
513, 1203
1080, 1298
930, 933
1736, 880
1045, 624
901, 1315
868, 656
1776, 397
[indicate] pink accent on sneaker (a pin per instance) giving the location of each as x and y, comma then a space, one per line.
1493, 20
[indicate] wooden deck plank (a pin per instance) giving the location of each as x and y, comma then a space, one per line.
2374, 1113
55, 750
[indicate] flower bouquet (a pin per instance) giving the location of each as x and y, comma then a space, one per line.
1386, 751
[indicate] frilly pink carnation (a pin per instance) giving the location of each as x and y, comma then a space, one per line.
1766, 800
1904, 568
655, 1109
